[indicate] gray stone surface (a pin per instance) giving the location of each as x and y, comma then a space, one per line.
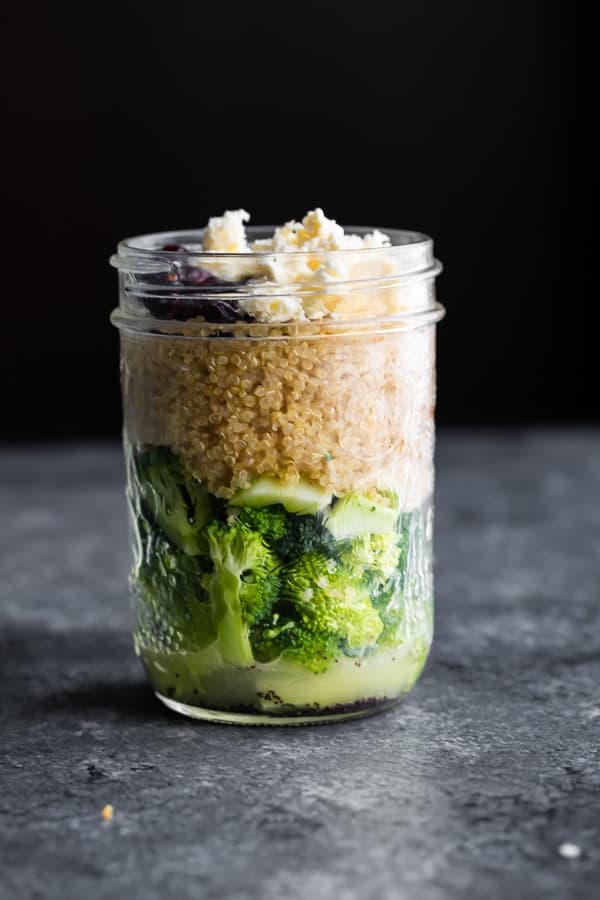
465, 790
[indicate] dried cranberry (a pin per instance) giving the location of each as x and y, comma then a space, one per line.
177, 306
216, 310
194, 275
173, 248
179, 309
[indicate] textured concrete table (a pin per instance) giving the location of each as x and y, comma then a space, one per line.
466, 790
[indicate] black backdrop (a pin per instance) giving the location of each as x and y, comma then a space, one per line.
438, 116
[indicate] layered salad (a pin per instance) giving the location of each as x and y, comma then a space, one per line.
279, 452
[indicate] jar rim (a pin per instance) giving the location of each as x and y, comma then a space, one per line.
412, 251
400, 239
152, 277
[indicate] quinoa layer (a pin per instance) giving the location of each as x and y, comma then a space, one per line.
346, 412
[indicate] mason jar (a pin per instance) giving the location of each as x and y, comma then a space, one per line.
280, 474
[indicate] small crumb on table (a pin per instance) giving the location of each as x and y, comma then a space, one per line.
107, 812
569, 851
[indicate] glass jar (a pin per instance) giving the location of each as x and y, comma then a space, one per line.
280, 474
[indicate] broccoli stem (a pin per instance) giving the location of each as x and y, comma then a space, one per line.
232, 633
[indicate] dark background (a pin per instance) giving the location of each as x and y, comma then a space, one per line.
437, 116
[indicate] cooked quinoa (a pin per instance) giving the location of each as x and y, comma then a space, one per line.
346, 412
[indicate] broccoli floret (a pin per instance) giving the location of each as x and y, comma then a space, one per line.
179, 506
273, 636
304, 534
287, 634
329, 611
270, 521
330, 599
388, 599
206, 586
170, 607
289, 535
242, 588
375, 555
377, 559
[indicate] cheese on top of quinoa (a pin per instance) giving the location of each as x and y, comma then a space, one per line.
315, 233
311, 264
226, 233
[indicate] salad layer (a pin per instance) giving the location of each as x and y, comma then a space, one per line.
282, 595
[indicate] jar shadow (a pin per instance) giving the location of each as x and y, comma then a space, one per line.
76, 674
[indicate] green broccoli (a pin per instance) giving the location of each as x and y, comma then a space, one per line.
198, 581
394, 597
372, 513
242, 588
278, 633
324, 612
179, 506
249, 582
270, 521
377, 560
170, 607
304, 534
331, 599
303, 497
375, 555
387, 596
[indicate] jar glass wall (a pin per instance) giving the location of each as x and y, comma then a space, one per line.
280, 478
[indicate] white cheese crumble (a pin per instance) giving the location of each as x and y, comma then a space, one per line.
316, 232
226, 233
274, 309
322, 279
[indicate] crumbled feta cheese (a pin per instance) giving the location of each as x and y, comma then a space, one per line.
316, 233
274, 309
304, 259
226, 233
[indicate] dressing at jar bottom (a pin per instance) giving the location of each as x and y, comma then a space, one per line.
284, 692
